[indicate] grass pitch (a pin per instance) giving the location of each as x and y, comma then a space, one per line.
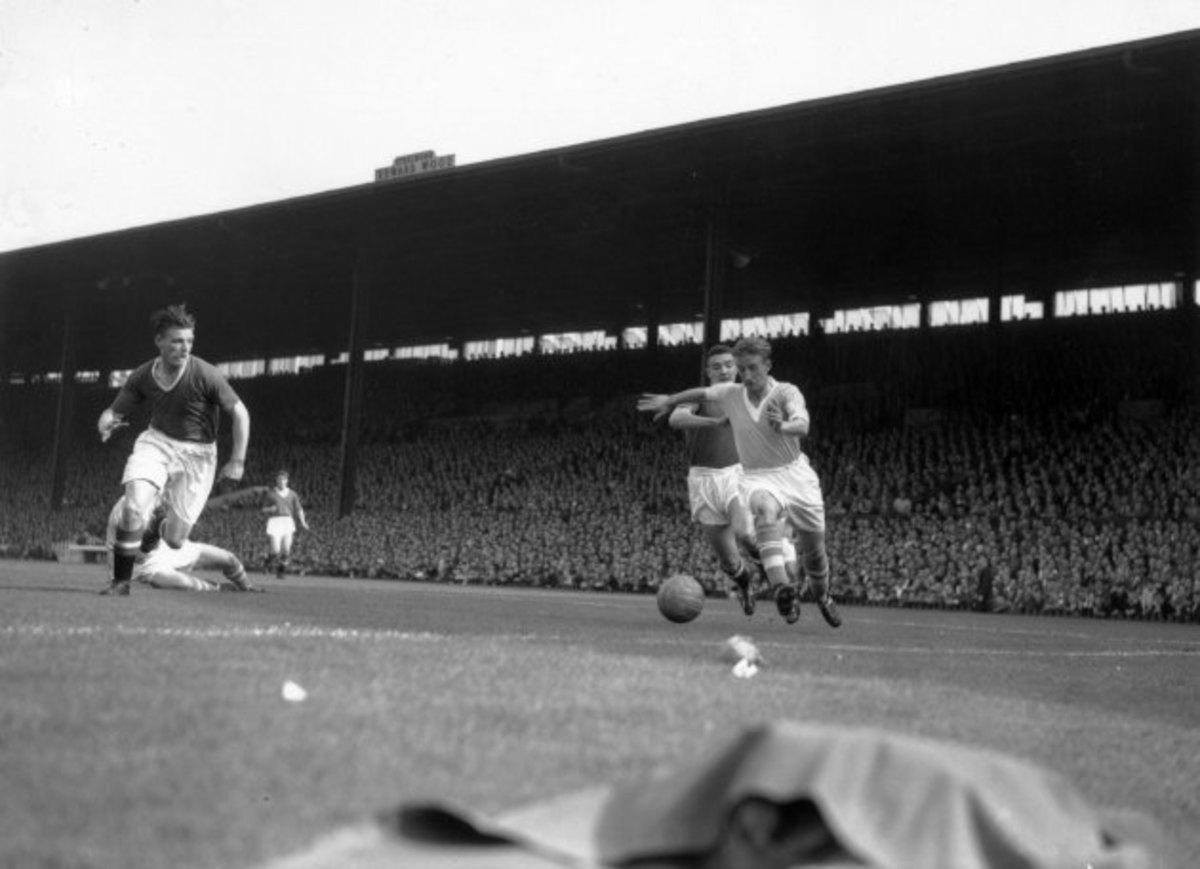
152, 731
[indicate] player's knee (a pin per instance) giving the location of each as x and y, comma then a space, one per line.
131, 518
173, 534
765, 510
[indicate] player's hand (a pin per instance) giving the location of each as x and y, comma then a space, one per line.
654, 403
234, 469
107, 425
774, 417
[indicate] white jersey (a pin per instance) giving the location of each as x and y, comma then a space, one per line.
163, 558
758, 445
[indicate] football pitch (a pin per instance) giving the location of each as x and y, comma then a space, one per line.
153, 731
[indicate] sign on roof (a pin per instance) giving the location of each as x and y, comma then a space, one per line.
409, 165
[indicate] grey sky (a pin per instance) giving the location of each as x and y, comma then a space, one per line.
119, 113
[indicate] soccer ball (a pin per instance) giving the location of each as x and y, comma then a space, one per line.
680, 598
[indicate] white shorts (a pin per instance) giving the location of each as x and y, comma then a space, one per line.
279, 527
183, 471
713, 494
164, 559
796, 487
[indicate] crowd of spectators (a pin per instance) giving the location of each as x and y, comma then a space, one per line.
997, 475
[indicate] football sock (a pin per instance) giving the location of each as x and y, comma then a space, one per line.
741, 574
125, 552
816, 568
770, 546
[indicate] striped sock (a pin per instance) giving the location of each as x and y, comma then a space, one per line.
770, 547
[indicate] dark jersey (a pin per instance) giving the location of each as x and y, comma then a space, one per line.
284, 503
709, 447
188, 410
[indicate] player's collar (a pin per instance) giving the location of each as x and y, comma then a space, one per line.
157, 369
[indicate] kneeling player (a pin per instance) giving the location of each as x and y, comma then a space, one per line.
167, 568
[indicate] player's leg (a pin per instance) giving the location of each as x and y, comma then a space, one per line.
186, 491
211, 557
742, 524
274, 544
815, 562
127, 538
724, 545
285, 553
170, 579
711, 495
790, 560
769, 529
806, 512
145, 474
173, 527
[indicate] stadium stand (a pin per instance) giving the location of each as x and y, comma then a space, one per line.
1049, 468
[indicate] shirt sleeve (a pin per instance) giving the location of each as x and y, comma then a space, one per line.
219, 387
792, 402
719, 392
129, 396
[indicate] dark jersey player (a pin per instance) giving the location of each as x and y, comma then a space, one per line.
286, 513
175, 459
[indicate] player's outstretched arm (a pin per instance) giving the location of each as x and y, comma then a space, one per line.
661, 405
685, 417
219, 502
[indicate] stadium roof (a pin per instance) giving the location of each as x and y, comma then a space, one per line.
1070, 171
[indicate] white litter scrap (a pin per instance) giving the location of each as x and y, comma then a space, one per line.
744, 669
745, 655
293, 693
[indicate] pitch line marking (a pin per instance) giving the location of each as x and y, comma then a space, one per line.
289, 631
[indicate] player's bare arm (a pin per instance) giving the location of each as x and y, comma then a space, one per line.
108, 423
235, 468
221, 502
660, 405
685, 417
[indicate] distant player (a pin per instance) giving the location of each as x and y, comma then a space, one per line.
285, 512
167, 568
768, 418
175, 459
713, 477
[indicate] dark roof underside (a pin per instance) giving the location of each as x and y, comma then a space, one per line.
1071, 171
